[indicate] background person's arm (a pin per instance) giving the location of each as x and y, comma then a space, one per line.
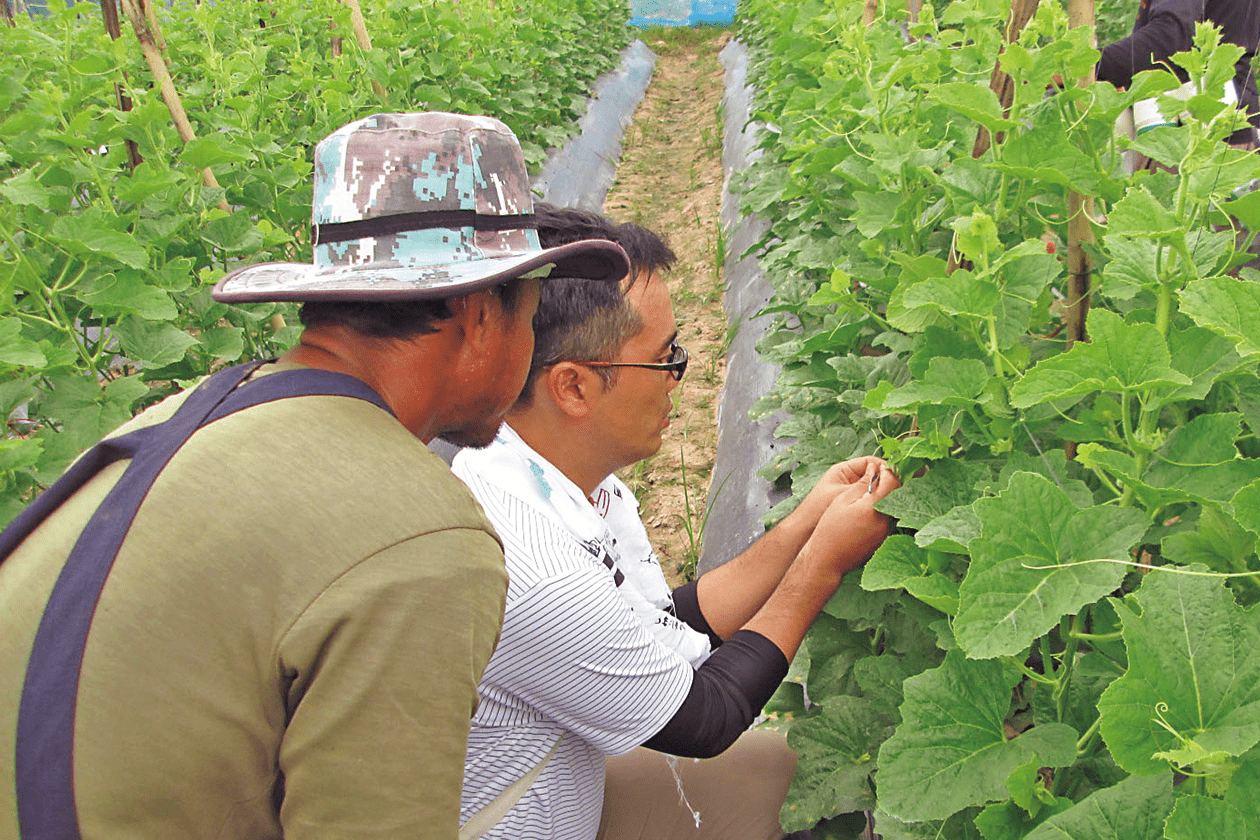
1168, 29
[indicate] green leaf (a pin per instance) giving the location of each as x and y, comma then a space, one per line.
213, 149
1244, 792
960, 826
1008, 821
1246, 504
90, 234
1132, 266
1135, 809
833, 650
1016, 588
1043, 152
836, 750
152, 344
1193, 678
876, 211
938, 491
17, 350
224, 342
974, 101
235, 234
25, 188
951, 750
950, 532
1199, 461
1227, 306
977, 236
900, 564
146, 180
1220, 542
962, 293
1140, 215
859, 608
948, 382
81, 405
1245, 209
1204, 357
1204, 818
1119, 357
19, 453
127, 293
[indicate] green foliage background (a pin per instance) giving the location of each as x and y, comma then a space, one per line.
105, 272
1059, 639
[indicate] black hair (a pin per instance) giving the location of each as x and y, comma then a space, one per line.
586, 320
562, 225
401, 319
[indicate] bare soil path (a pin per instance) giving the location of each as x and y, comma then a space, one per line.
669, 179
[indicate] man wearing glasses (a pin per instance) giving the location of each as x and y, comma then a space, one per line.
597, 656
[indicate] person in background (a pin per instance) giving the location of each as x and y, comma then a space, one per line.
598, 657
1166, 27
261, 608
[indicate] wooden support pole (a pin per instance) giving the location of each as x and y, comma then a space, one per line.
869, 12
913, 7
1080, 210
8, 13
1000, 83
109, 14
153, 57
361, 36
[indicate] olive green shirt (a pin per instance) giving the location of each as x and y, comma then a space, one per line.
289, 642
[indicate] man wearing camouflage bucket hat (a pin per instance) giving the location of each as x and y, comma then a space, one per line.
261, 608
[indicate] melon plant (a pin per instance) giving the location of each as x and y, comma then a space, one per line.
114, 224
1059, 639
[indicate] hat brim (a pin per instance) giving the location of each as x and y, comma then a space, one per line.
593, 259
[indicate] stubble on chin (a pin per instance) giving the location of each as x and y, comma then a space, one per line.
478, 437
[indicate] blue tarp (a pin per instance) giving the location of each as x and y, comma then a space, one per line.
681, 12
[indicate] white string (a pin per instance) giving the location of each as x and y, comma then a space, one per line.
1174, 570
672, 761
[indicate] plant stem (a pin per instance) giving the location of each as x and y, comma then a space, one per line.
1097, 637
1065, 672
1082, 746
1029, 672
994, 352
1163, 308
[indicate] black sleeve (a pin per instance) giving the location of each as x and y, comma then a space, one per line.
1167, 28
726, 695
687, 609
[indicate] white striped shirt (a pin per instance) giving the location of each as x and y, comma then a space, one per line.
580, 655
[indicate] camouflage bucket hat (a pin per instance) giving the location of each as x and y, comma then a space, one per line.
411, 206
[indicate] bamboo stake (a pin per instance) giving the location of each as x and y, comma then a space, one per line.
1022, 12
1080, 209
151, 16
167, 86
869, 12
361, 35
109, 13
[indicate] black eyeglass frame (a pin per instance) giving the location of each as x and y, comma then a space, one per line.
677, 365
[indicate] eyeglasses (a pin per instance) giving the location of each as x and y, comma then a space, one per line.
677, 364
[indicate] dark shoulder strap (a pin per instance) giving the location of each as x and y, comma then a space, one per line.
45, 731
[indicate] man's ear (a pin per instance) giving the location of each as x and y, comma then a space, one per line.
571, 387
474, 314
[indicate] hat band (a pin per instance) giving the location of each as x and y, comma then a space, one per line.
322, 234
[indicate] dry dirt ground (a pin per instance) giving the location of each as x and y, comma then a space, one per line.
669, 179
